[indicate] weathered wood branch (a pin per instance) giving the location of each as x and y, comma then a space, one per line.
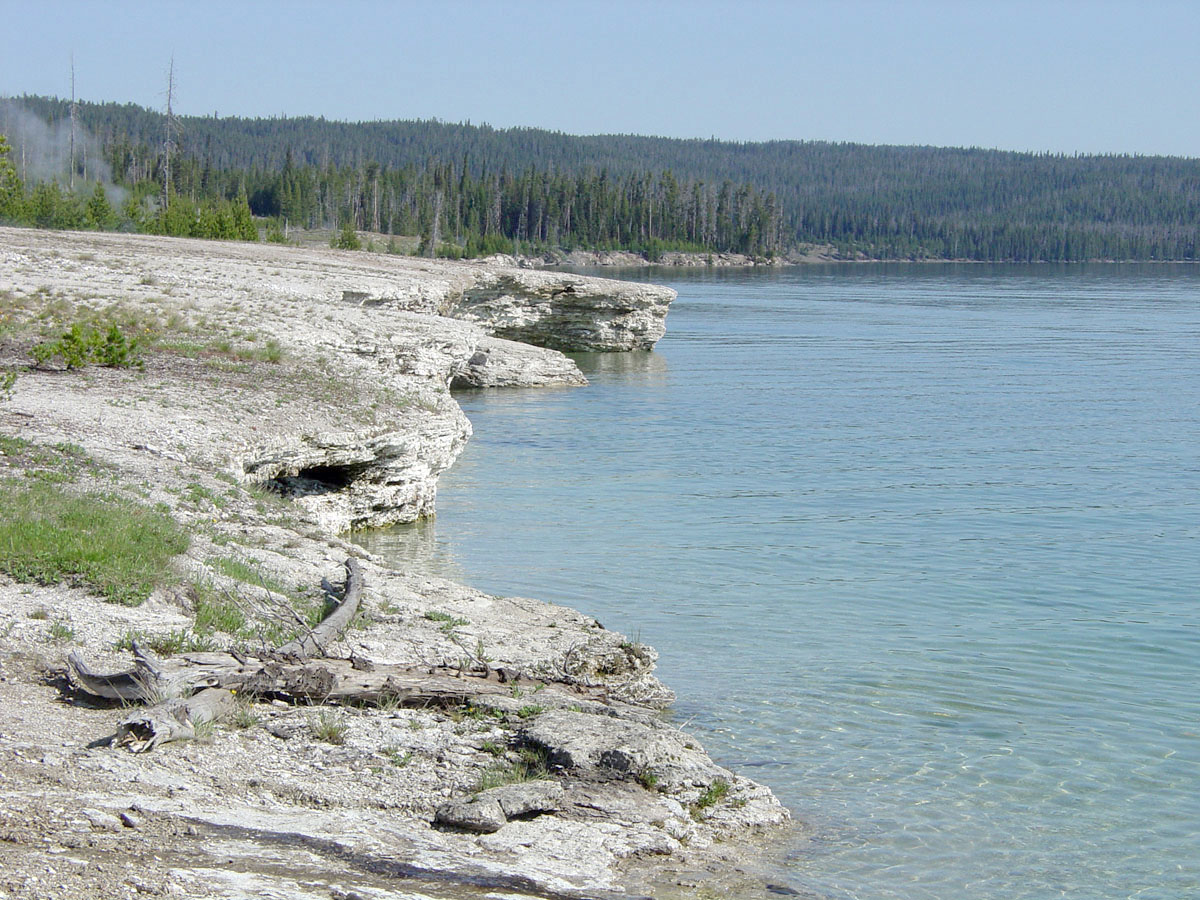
316, 642
173, 720
149, 681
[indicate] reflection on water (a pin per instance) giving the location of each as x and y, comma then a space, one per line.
644, 366
413, 547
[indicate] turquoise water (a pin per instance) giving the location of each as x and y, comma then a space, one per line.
918, 545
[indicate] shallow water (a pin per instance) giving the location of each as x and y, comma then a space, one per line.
918, 546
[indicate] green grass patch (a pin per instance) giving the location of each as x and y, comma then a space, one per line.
196, 492
240, 570
60, 462
167, 643
222, 351
116, 547
215, 613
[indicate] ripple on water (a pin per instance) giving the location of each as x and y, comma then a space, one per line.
918, 547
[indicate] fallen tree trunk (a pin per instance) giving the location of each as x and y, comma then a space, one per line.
304, 681
193, 688
173, 720
150, 680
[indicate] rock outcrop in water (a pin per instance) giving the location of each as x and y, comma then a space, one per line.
273, 410
565, 312
546, 309
558, 310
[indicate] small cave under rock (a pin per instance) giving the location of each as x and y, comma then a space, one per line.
316, 480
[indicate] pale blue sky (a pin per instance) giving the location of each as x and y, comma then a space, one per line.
1061, 76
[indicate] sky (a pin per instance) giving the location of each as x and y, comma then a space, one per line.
1062, 76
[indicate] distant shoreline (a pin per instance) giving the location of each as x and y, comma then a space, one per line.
625, 259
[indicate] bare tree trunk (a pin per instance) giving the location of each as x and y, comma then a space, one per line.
169, 143
435, 234
317, 641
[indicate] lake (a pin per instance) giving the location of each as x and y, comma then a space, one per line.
919, 546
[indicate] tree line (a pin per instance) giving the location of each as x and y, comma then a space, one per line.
472, 188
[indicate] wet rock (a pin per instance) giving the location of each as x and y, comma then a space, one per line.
500, 363
616, 748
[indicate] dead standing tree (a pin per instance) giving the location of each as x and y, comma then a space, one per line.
171, 126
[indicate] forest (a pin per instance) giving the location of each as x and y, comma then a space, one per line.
472, 189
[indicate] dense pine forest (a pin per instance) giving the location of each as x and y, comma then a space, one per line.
469, 190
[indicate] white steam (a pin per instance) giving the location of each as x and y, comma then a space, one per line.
41, 150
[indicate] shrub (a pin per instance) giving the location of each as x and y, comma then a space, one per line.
83, 344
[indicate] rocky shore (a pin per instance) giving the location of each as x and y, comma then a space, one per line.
279, 398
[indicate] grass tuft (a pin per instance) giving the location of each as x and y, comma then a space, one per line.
243, 715
330, 726
398, 756
61, 632
447, 620
713, 794
532, 764
167, 643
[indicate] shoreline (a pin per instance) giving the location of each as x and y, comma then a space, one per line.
618, 260
324, 375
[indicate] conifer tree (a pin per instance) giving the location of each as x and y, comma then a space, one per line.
99, 211
11, 193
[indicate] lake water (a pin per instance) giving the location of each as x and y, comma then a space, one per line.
919, 546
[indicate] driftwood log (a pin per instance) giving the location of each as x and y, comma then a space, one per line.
173, 720
331, 627
187, 690
301, 681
